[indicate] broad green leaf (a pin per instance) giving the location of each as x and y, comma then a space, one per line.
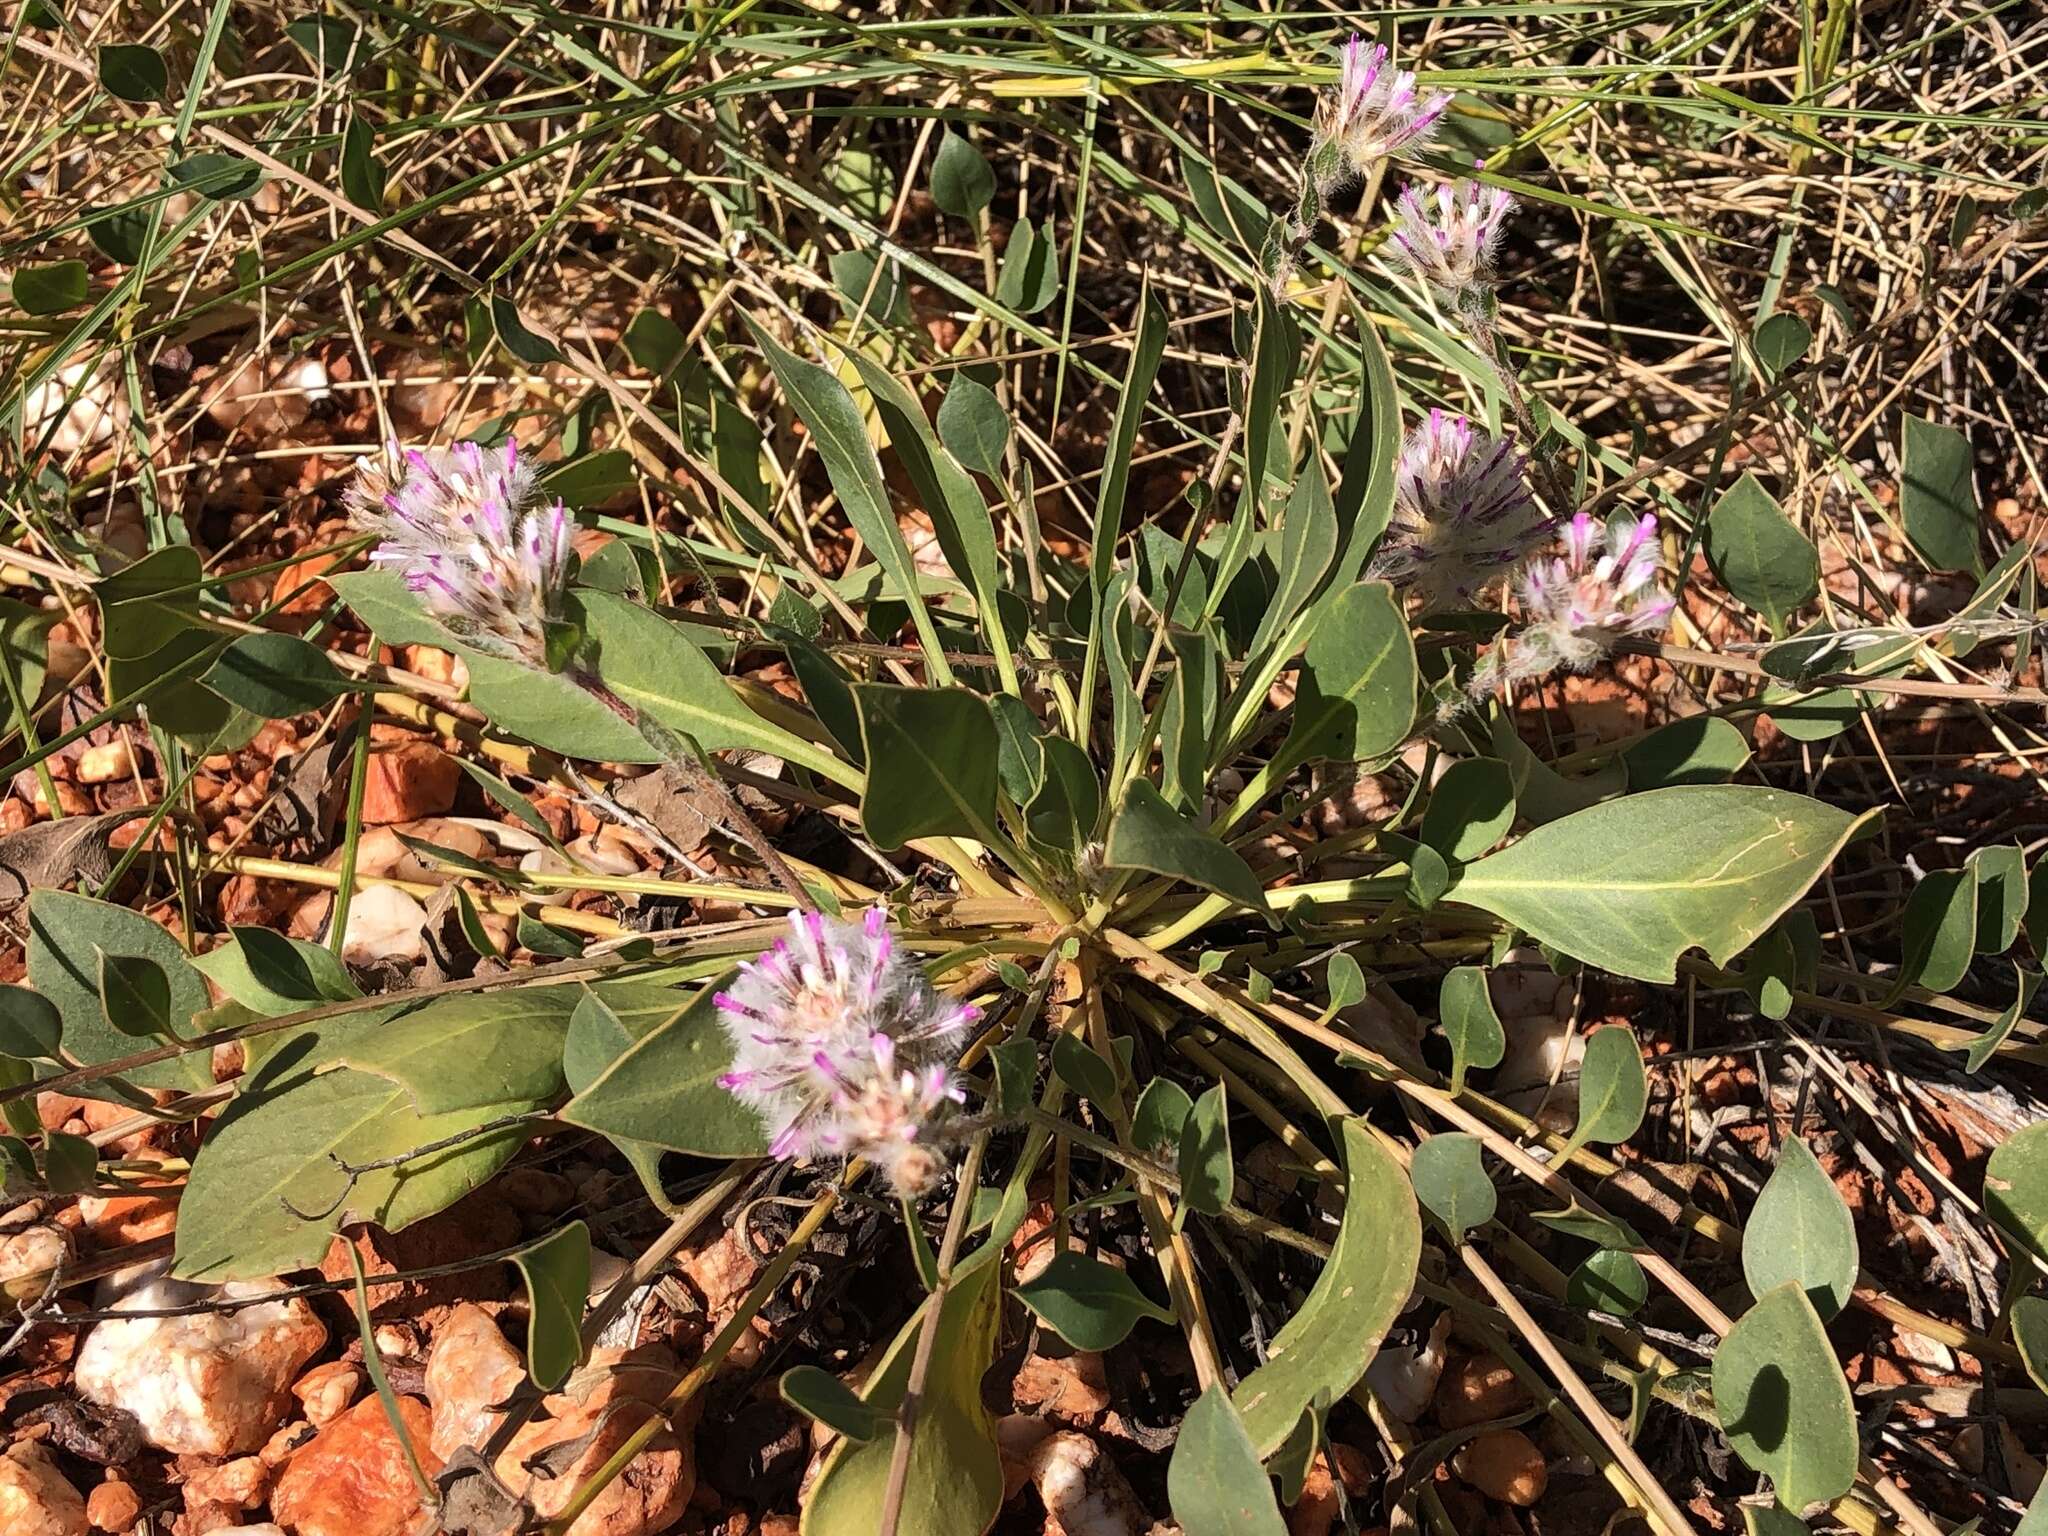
1208, 1176
1062, 814
962, 183
135, 997
1470, 809
1755, 549
974, 426
330, 40
1770, 1520
1020, 758
2001, 874
1016, 1066
1451, 1182
1613, 1092
870, 284
70, 1163
1985, 1046
67, 934
51, 289
517, 337
362, 177
119, 233
820, 1395
1162, 1110
1703, 750
30, 1028
2036, 921
224, 178
841, 436
455, 1053
2016, 1187
1464, 1006
1343, 980
134, 72
1308, 544
1601, 1231
590, 481
1356, 698
1090, 1304
1297, 1454
2035, 1521
1151, 835
1084, 1071
1937, 501
1324, 1349
1031, 268
1189, 716
276, 676
1275, 358
1215, 1483
1939, 931
2030, 1337
1767, 973
663, 1089
1781, 341
955, 1481
1365, 485
1801, 1230
267, 1195
598, 1035
1146, 351
1608, 1281
556, 1270
1782, 1402
1631, 884
940, 778
265, 971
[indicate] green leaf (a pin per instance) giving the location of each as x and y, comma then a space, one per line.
596, 1037
1613, 1092
70, 1163
1147, 833
869, 283
2001, 874
1470, 809
2030, 1337
1356, 697
51, 289
1297, 1454
941, 776
67, 935
1939, 931
330, 40
1937, 500
519, 338
1020, 758
362, 177
1163, 1108
1465, 1012
974, 426
1016, 1066
1308, 545
1702, 750
1062, 814
1801, 1230
1365, 485
955, 1482
271, 974
663, 1089
1207, 1175
2016, 1187
1031, 269
1090, 1304
556, 1270
1193, 693
266, 1194
1630, 884
276, 676
962, 183
1767, 973
1146, 351
2036, 921
1601, 1231
30, 1028
224, 178
1782, 1401
133, 72
1781, 341
1324, 1349
864, 179
1084, 1071
1985, 1046
820, 1395
1451, 1182
1215, 1484
1609, 1281
1759, 554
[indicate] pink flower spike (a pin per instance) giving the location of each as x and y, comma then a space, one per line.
1373, 112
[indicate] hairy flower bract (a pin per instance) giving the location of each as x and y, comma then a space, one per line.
1576, 605
1463, 513
1447, 239
1373, 112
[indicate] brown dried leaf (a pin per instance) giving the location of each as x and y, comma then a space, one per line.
53, 853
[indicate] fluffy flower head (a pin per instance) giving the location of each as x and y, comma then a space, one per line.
466, 527
1447, 240
1374, 112
1463, 514
843, 1047
1603, 586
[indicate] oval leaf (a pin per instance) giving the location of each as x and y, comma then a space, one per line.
1782, 1402
557, 1274
1801, 1230
1451, 1182
1613, 1092
1090, 1304
2016, 1187
1151, 835
941, 778
1755, 549
1465, 1012
1215, 1484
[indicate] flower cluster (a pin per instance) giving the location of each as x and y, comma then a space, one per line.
467, 529
1448, 240
1463, 514
843, 1047
1373, 112
1576, 606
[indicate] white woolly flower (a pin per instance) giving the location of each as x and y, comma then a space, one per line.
1576, 606
1373, 112
843, 1047
1463, 513
466, 527
1448, 240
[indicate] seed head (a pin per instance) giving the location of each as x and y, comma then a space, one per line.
1373, 112
467, 529
1447, 240
843, 1047
1463, 514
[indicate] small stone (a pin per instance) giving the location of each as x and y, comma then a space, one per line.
116, 1221
113, 1507
1504, 1464
242, 1483
106, 763
35, 1498
385, 926
470, 1371
353, 1479
409, 781
325, 1391
206, 1384
28, 1254
623, 1389
472, 1227
278, 1449
1475, 1389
